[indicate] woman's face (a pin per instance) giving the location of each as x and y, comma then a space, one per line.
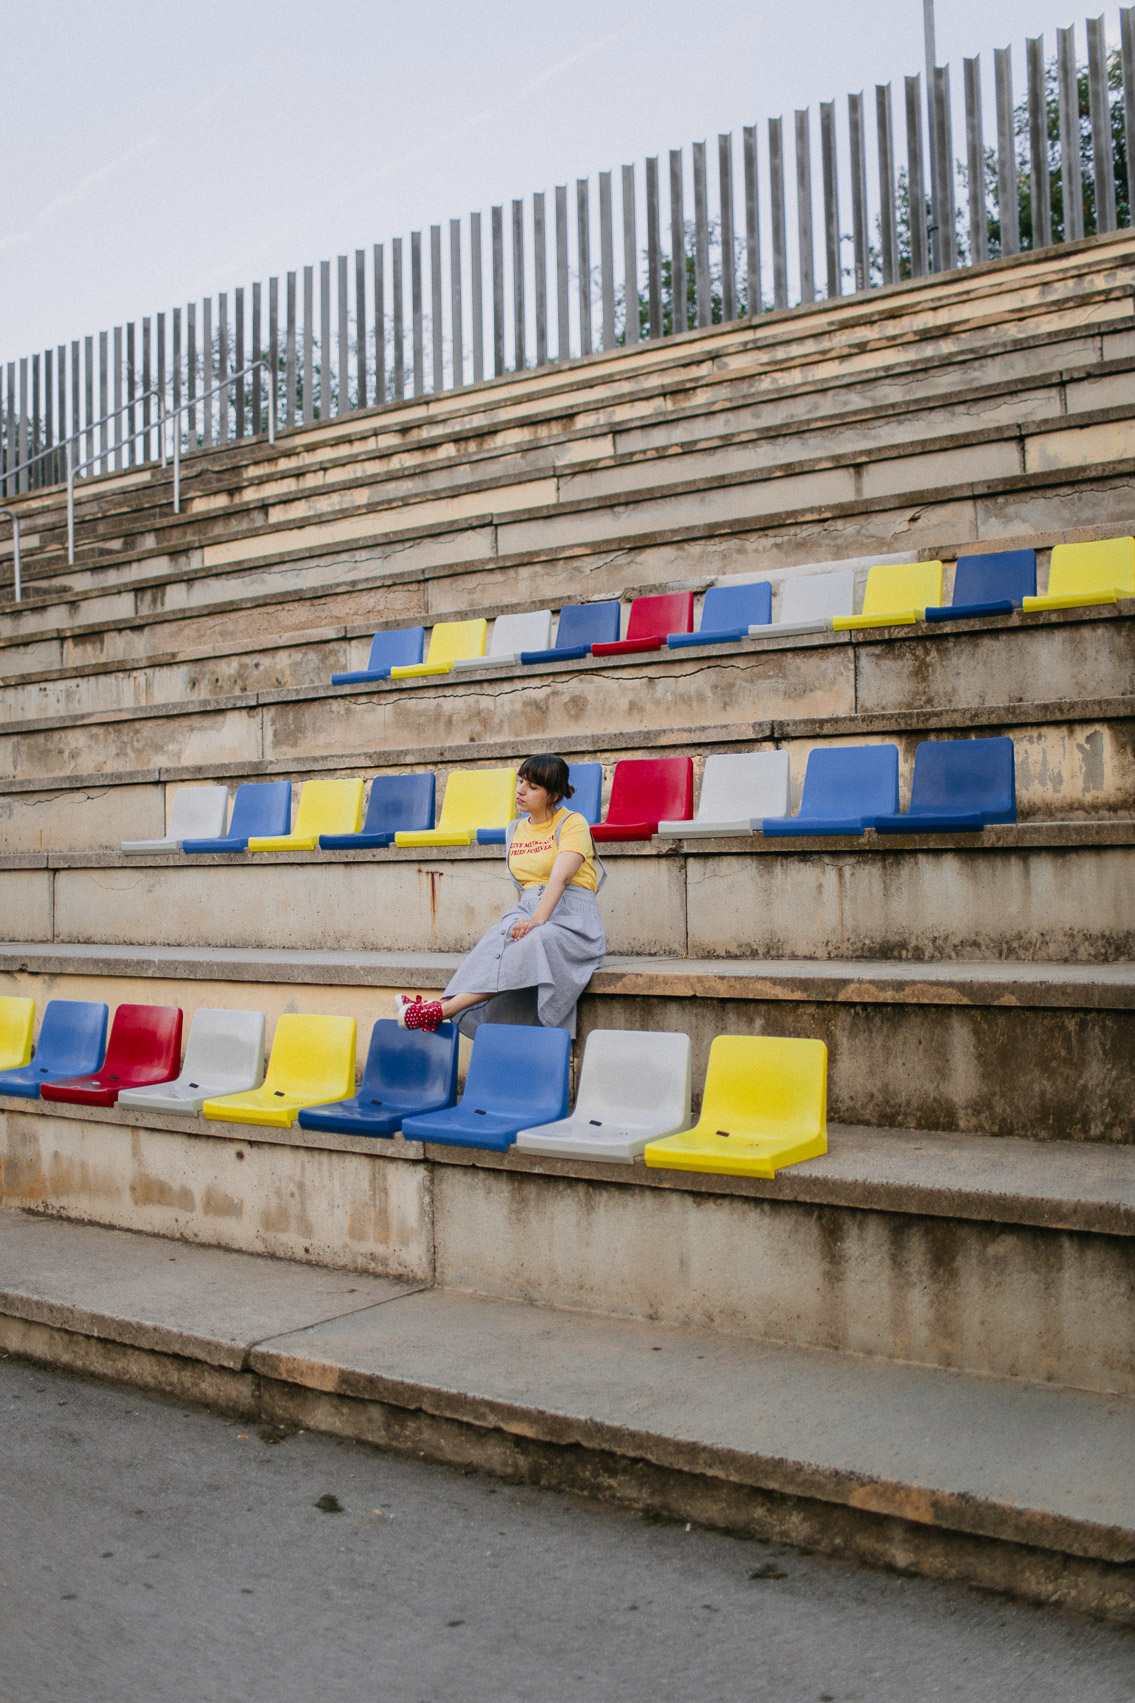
533, 800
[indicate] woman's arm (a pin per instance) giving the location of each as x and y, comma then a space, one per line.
564, 871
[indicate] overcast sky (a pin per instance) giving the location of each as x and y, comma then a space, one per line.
155, 153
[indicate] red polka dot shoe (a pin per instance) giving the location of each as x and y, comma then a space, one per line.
417, 1013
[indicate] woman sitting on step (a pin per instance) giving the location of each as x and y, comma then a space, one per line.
551, 941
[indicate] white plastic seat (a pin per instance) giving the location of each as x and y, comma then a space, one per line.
196, 813
809, 603
511, 635
738, 792
224, 1055
634, 1085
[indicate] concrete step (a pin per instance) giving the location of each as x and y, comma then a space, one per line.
953, 1475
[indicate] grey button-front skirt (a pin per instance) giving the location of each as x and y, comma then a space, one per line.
556, 959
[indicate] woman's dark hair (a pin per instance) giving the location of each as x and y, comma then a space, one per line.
549, 772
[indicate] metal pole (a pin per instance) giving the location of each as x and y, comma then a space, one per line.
779, 218
379, 326
753, 302
177, 470
1127, 52
563, 306
858, 135
361, 325
1103, 163
607, 259
653, 248
917, 196
70, 509
678, 284
456, 309
520, 352
831, 197
728, 245
437, 323
1071, 180
540, 275
1008, 206
583, 242
257, 338
630, 260
938, 167
476, 287
497, 234
1039, 195
943, 123
885, 135
975, 165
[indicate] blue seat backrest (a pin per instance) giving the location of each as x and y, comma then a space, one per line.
400, 801
411, 1067
399, 649
521, 1069
72, 1036
964, 775
587, 624
727, 607
587, 779
993, 578
261, 807
851, 780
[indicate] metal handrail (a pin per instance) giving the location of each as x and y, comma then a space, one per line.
10, 514
55, 448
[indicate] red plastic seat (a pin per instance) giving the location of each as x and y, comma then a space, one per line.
144, 1047
644, 792
651, 621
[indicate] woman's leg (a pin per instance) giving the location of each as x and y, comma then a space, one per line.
459, 1002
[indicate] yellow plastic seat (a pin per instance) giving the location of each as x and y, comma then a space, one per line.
17, 1022
1088, 573
312, 1062
325, 807
896, 595
474, 798
449, 642
765, 1106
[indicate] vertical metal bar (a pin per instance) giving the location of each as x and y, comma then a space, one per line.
520, 353
117, 399
36, 470
89, 409
915, 185
146, 365
399, 329
161, 383
104, 399
131, 416
61, 381
975, 165
238, 316
1127, 55
1040, 196
653, 248
175, 366
563, 314
308, 345
703, 294
857, 132
13, 455
22, 441
325, 379
343, 368
224, 395
257, 354
630, 260
456, 305
885, 139
290, 349
361, 327
48, 413
1008, 205
1103, 162
779, 218
476, 297
497, 228
728, 241
606, 260
804, 207
540, 266
379, 326
583, 243
678, 281
831, 197
76, 400
191, 370
437, 323
937, 162
417, 329
947, 210
754, 301
1071, 179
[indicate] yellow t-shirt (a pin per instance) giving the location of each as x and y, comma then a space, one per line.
534, 850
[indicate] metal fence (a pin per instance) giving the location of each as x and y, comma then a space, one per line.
404, 320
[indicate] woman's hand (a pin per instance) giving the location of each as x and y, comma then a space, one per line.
521, 928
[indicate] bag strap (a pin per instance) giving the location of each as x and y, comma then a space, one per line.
508, 838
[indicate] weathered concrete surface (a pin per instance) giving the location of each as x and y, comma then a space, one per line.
90, 816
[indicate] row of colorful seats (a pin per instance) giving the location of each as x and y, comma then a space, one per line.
764, 1103
896, 594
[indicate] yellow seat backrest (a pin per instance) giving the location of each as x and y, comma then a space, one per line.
902, 585
330, 807
453, 639
765, 1085
478, 798
17, 1018
312, 1056
1106, 565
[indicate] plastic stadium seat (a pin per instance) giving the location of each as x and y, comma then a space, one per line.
958, 784
72, 1041
144, 1047
994, 584
634, 1086
727, 612
644, 792
581, 626
517, 1078
408, 1072
513, 634
738, 792
651, 621
196, 813
396, 801
845, 788
325, 807
809, 603
260, 808
448, 641
897, 594
399, 649
587, 799
765, 1106
17, 1025
1088, 573
474, 798
223, 1055
312, 1062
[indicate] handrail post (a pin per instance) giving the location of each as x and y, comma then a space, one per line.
17, 582
70, 504
176, 466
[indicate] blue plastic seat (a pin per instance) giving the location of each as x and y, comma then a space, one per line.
587, 798
396, 801
959, 785
727, 613
518, 1078
581, 626
399, 649
842, 785
408, 1072
260, 809
992, 584
72, 1042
